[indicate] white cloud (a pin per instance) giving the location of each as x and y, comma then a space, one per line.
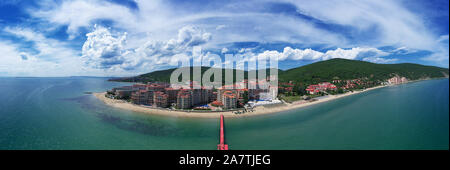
219, 27
309, 54
49, 57
404, 50
105, 50
297, 54
151, 27
14, 62
354, 53
188, 36
224, 50
389, 21
81, 13
160, 20
10, 58
441, 54
395, 24
443, 39
292, 54
49, 49
379, 60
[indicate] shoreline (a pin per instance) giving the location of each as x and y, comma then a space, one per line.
259, 110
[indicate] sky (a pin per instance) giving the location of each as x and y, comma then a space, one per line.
60, 38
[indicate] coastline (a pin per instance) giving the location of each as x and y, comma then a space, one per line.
259, 110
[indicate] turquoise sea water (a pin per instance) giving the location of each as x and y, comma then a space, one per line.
54, 113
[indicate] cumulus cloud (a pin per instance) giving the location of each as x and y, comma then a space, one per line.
188, 36
105, 50
354, 53
297, 54
308, 54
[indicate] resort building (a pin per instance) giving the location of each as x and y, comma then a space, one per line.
123, 92
327, 86
160, 99
273, 92
397, 80
229, 99
213, 96
254, 94
142, 97
221, 92
196, 96
205, 96
184, 99
172, 93
321, 87
161, 95
155, 87
139, 87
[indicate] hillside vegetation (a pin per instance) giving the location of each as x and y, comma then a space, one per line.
328, 70
164, 75
351, 69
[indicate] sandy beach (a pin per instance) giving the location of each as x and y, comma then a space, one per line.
259, 110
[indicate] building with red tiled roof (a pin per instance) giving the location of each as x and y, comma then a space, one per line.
316, 88
172, 95
229, 99
160, 99
142, 97
217, 103
184, 99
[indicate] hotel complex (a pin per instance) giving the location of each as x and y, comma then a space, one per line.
244, 94
162, 95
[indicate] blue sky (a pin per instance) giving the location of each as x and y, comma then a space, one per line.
126, 37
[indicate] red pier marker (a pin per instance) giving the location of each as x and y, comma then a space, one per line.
222, 145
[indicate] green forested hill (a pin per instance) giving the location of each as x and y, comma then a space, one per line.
326, 71
350, 69
164, 75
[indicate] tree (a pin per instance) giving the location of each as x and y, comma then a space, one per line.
300, 89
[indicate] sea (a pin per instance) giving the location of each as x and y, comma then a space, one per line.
58, 114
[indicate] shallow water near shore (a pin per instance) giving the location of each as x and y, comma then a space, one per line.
55, 113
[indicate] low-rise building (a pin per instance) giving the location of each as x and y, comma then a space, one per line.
321, 87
